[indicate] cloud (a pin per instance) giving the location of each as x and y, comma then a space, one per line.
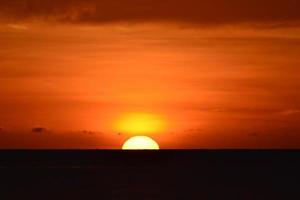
206, 12
89, 132
39, 130
20, 139
254, 134
290, 112
194, 130
17, 26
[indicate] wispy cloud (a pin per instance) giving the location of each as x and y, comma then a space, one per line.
290, 112
191, 11
18, 26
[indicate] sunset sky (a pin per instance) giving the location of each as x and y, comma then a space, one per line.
188, 73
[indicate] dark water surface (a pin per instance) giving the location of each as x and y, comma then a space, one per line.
163, 174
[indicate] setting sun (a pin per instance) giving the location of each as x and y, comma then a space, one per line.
140, 143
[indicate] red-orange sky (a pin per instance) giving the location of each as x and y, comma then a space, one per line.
210, 73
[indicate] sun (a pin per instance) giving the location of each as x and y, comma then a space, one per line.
140, 143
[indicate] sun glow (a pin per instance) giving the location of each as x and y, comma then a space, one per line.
140, 123
140, 143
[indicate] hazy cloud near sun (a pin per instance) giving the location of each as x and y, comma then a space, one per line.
206, 12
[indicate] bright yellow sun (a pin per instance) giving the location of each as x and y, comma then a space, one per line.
140, 143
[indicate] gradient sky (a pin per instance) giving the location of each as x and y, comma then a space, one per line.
204, 73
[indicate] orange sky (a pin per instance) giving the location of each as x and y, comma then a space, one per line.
225, 80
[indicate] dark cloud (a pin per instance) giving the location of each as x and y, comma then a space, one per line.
187, 11
39, 130
194, 130
254, 134
18, 139
89, 132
